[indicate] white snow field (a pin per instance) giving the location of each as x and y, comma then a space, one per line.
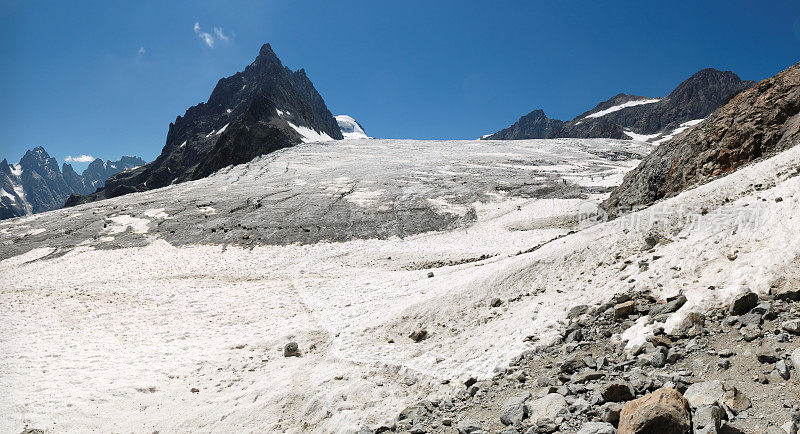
619, 107
350, 128
99, 339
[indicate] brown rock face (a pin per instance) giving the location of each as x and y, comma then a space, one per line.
756, 123
664, 411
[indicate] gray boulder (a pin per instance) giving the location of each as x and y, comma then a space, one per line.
468, 426
707, 419
597, 428
548, 407
514, 409
705, 393
744, 302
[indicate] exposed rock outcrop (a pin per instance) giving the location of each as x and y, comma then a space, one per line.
756, 123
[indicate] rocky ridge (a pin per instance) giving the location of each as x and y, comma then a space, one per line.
262, 109
757, 123
37, 185
626, 116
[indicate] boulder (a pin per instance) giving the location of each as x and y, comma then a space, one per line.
782, 369
468, 426
413, 413
609, 412
668, 307
291, 350
707, 419
691, 324
787, 291
597, 428
705, 393
795, 358
767, 357
744, 302
514, 409
419, 335
616, 392
548, 407
751, 332
583, 377
659, 357
664, 411
577, 311
792, 326
625, 309
736, 401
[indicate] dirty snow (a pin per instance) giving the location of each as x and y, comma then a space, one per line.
683, 127
114, 340
123, 222
641, 137
156, 213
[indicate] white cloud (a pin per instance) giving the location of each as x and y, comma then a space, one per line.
206, 37
79, 159
221, 36
142, 51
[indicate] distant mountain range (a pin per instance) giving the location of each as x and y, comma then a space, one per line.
262, 109
625, 116
36, 184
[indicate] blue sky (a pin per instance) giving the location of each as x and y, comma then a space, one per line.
105, 78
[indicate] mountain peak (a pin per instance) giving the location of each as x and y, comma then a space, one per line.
267, 56
709, 79
266, 51
46, 187
253, 112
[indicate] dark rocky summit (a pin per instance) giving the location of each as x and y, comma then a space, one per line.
755, 124
36, 184
251, 113
693, 99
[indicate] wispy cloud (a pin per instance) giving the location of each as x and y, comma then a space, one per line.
221, 36
142, 51
79, 159
206, 37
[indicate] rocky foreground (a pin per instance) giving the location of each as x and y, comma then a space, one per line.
731, 371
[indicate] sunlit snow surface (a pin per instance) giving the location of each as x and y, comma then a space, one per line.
309, 134
350, 128
112, 335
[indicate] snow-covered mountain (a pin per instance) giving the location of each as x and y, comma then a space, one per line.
262, 109
636, 117
36, 184
350, 128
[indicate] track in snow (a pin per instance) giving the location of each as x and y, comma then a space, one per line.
117, 309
